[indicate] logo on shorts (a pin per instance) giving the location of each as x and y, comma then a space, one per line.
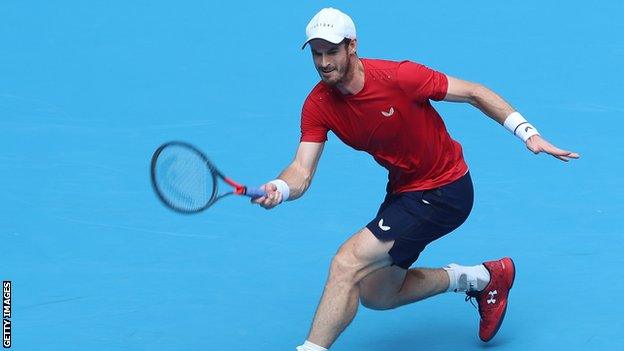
527, 129
385, 228
491, 294
389, 113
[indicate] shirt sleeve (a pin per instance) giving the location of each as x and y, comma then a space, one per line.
313, 127
420, 82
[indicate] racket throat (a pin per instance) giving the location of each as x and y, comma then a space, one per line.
239, 189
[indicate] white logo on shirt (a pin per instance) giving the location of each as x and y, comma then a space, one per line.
385, 228
389, 113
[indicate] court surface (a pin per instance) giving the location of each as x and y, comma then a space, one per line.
89, 89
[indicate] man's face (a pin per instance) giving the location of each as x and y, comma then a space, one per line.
331, 60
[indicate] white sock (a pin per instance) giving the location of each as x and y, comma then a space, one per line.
310, 346
467, 278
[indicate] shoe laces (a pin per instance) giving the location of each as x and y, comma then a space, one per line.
471, 296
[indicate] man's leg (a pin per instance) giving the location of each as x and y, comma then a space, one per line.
489, 283
393, 286
361, 271
404, 225
362, 254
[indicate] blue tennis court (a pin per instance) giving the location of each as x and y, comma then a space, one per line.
88, 90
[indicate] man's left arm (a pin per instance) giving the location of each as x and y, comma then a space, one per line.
499, 110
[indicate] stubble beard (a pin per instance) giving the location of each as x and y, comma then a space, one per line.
344, 74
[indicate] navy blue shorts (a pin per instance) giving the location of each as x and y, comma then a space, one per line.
413, 219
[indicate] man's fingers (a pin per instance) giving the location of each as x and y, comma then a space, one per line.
258, 200
553, 150
271, 198
562, 158
563, 155
559, 152
268, 200
573, 155
568, 154
540, 145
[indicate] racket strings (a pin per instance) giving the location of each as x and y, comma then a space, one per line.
184, 179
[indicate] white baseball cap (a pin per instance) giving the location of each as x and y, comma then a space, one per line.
330, 24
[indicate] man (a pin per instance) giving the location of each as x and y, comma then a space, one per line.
383, 108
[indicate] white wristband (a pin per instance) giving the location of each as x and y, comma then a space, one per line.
282, 187
519, 126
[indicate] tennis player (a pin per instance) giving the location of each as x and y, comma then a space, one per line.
383, 108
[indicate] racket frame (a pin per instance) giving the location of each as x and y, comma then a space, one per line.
238, 189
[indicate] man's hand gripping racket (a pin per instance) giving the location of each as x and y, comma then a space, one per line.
271, 198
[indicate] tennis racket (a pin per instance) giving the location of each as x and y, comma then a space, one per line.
187, 182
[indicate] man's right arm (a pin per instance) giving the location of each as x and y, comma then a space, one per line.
298, 175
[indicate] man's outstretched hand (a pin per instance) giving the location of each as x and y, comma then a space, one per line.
538, 144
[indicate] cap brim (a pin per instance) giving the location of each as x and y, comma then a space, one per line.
334, 39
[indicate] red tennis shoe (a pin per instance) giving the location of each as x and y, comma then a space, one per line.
492, 300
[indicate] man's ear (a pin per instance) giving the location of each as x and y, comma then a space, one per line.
353, 46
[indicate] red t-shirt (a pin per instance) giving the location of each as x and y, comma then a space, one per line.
392, 119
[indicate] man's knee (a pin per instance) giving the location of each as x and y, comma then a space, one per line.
358, 257
344, 267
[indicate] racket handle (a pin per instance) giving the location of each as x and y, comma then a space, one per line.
255, 192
